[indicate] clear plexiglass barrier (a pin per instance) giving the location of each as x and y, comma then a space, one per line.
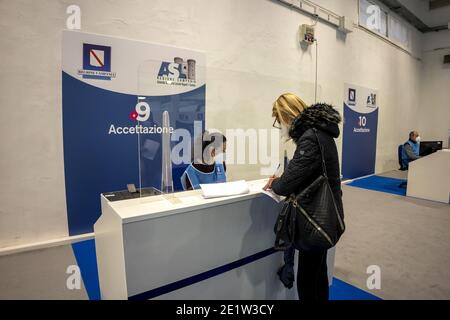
180, 99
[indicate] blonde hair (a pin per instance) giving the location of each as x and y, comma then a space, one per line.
287, 107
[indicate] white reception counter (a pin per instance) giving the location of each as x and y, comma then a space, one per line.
429, 177
182, 246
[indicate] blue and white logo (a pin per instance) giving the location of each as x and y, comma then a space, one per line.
372, 100
179, 72
96, 62
351, 96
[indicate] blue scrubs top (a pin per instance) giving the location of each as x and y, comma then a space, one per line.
196, 177
415, 148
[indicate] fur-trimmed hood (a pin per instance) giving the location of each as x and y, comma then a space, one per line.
320, 116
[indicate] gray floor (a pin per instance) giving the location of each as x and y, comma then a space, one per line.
39, 274
409, 239
395, 174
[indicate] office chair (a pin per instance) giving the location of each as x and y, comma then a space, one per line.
400, 162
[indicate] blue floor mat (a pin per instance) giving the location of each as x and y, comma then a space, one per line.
381, 184
84, 252
341, 290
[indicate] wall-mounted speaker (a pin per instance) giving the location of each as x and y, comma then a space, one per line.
447, 58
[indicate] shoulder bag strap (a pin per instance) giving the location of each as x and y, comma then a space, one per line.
324, 167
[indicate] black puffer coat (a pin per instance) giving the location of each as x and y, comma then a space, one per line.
305, 165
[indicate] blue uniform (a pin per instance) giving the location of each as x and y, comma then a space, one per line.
196, 177
415, 146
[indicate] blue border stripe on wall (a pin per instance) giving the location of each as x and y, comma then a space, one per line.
201, 276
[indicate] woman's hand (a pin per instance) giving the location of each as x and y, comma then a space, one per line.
269, 183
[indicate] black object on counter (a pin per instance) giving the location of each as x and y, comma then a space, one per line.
126, 195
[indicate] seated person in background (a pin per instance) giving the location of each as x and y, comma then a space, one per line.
411, 149
207, 167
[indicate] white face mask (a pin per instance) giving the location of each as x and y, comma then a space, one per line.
220, 158
418, 139
284, 131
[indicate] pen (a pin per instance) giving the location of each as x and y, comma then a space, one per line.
276, 169
266, 187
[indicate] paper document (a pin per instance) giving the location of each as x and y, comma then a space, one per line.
214, 190
273, 195
258, 185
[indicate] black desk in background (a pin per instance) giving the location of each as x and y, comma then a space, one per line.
429, 147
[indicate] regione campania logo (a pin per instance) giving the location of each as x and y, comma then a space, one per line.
351, 96
96, 62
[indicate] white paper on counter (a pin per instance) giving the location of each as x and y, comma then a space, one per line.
224, 189
258, 185
273, 195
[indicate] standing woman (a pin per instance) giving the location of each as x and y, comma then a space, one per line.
298, 120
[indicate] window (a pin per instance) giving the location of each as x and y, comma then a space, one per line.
375, 18
399, 32
372, 17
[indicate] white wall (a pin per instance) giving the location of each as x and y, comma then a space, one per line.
254, 40
434, 121
32, 196
436, 40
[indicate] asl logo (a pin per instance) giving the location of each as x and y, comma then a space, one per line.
172, 70
372, 100
96, 62
178, 72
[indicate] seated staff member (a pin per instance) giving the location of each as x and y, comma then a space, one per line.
209, 166
411, 149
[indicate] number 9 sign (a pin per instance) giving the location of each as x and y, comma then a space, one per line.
143, 111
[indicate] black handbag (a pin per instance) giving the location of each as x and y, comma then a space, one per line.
317, 223
283, 226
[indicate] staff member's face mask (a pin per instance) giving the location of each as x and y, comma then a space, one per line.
220, 158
